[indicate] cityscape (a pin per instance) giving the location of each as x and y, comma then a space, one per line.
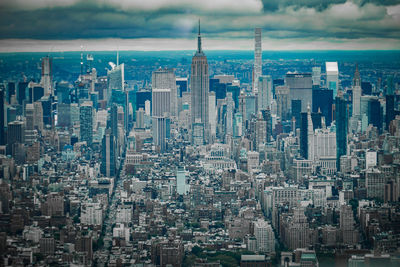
200, 157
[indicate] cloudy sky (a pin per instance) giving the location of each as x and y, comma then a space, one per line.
57, 25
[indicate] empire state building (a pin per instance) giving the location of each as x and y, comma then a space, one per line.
199, 86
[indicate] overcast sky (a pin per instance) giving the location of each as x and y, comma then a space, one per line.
65, 25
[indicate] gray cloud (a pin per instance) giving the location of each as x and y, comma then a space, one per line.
281, 19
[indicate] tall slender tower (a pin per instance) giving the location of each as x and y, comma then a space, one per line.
257, 59
199, 86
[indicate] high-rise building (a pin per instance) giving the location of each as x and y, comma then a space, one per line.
375, 116
300, 85
161, 102
165, 79
115, 80
322, 101
356, 101
257, 71
108, 154
282, 102
199, 87
86, 122
47, 76
304, 135
182, 85
264, 92
332, 77
161, 132
2, 114
341, 116
265, 236
212, 115
15, 135
390, 112
296, 110
316, 76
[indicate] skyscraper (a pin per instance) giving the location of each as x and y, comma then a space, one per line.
108, 155
300, 85
2, 138
356, 99
161, 102
115, 80
199, 86
264, 92
86, 122
257, 59
316, 76
47, 75
332, 77
341, 115
165, 79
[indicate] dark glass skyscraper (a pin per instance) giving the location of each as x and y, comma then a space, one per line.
323, 100
303, 135
341, 115
375, 113
2, 138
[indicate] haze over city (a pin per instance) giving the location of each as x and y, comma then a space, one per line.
200, 133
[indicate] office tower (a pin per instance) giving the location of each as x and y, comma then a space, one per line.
140, 118
141, 97
161, 132
300, 86
266, 113
316, 76
165, 79
356, 101
375, 181
15, 135
108, 154
22, 92
282, 102
218, 87
322, 149
375, 113
63, 115
250, 106
332, 77
63, 92
212, 115
261, 131
86, 122
390, 112
181, 186
114, 121
296, 110
257, 71
115, 80
229, 114
47, 76
238, 125
29, 125
161, 102
304, 135
264, 92
265, 236
2, 114
199, 87
10, 92
322, 101
182, 85
341, 117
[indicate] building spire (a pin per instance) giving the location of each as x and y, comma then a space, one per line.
199, 41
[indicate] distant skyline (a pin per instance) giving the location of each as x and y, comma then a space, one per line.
155, 25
